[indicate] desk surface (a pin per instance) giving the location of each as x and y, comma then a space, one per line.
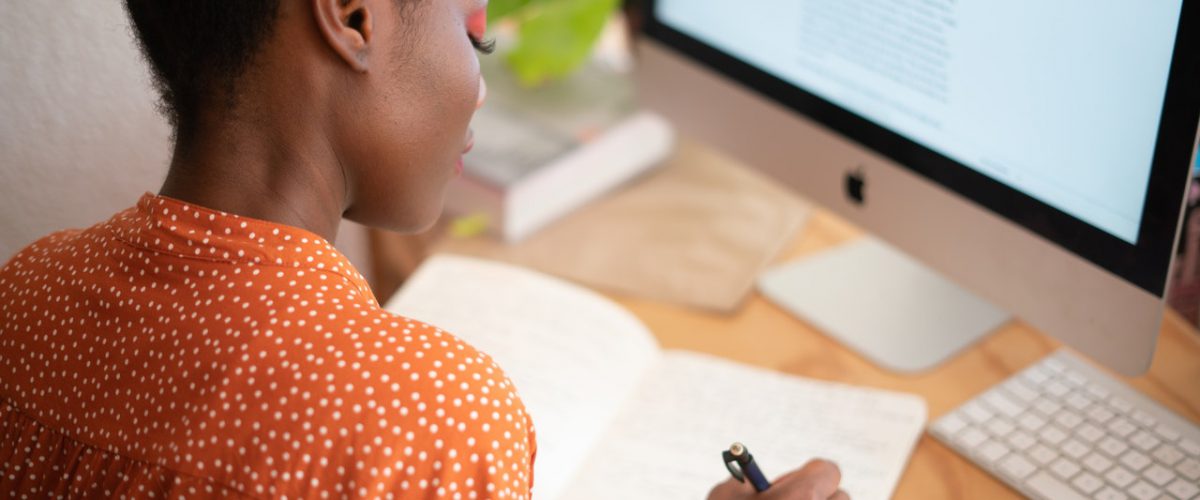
934, 471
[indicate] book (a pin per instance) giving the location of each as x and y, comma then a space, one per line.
618, 417
542, 153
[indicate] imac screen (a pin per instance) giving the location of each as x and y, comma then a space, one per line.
1059, 100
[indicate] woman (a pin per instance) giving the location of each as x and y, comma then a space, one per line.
209, 341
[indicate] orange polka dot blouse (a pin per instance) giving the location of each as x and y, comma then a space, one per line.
176, 351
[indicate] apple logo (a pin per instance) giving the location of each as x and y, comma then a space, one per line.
855, 186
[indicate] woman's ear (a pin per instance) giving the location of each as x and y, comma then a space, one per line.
347, 26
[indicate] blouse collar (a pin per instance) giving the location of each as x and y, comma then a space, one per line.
167, 225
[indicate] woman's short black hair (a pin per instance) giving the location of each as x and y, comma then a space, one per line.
197, 49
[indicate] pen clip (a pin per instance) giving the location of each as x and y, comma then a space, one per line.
735, 468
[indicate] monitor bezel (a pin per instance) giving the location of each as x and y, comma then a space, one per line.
1144, 264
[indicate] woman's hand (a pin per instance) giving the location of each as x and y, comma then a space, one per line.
817, 480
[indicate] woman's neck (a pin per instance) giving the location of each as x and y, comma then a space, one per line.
282, 174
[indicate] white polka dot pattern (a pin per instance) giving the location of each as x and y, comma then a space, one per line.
175, 351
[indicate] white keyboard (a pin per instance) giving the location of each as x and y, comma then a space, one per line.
1061, 429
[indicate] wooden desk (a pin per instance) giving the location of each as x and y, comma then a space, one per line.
765, 335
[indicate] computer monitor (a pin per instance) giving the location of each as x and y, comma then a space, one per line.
1037, 153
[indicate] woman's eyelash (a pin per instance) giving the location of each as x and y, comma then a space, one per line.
484, 46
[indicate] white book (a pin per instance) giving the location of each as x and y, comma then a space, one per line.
618, 417
523, 177
541, 153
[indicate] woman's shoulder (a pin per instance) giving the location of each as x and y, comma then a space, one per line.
352, 339
394, 392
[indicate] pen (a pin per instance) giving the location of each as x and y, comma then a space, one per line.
742, 466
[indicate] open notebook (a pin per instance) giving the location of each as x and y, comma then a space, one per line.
617, 417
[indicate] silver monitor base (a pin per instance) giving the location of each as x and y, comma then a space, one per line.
883, 304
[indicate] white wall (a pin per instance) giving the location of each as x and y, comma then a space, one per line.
80, 138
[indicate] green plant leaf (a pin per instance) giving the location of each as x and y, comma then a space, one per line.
556, 37
501, 8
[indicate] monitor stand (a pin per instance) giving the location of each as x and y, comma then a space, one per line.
883, 304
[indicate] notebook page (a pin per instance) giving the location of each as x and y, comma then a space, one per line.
667, 443
574, 356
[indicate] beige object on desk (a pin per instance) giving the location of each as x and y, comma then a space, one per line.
697, 231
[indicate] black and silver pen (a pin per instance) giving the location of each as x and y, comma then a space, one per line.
742, 467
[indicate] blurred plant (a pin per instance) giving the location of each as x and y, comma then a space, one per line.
553, 37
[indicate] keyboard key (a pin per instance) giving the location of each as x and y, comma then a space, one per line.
1135, 460
950, 425
1112, 446
1120, 405
992, 451
1144, 419
1110, 494
1035, 375
1190, 447
1016, 466
1189, 468
1078, 401
1120, 476
1064, 468
1159, 475
1042, 454
1144, 491
1057, 389
1048, 407
1144, 441
1167, 432
1054, 366
1183, 489
1121, 427
1097, 392
976, 412
1002, 403
1097, 463
1074, 449
971, 438
1052, 434
1068, 419
1030, 422
999, 427
1099, 414
1089, 433
1020, 440
1168, 455
1049, 487
1087, 483
1074, 378
1021, 391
